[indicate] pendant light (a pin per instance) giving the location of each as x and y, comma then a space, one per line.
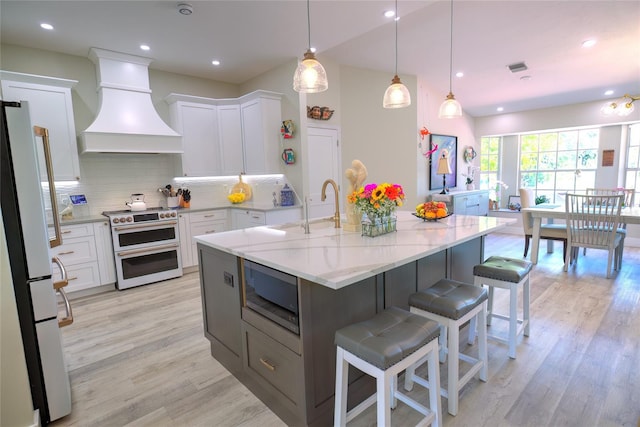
450, 108
397, 95
310, 76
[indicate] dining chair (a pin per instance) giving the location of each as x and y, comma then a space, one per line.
547, 231
629, 200
593, 222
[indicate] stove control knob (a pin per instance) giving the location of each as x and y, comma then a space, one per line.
161, 215
115, 220
129, 219
173, 214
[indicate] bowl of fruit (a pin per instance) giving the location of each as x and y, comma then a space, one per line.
431, 211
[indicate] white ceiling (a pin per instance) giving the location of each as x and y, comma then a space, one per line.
251, 37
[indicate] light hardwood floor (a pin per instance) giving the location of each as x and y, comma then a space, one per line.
139, 357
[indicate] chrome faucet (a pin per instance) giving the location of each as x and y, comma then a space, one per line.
323, 196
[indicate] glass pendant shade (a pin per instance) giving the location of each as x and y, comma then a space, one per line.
450, 108
310, 76
397, 95
625, 109
609, 108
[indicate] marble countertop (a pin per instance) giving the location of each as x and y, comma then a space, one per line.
337, 258
82, 219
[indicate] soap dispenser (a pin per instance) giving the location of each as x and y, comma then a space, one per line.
286, 196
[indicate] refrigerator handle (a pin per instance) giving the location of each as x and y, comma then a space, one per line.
58, 286
44, 133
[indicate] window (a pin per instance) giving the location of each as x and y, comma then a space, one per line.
489, 161
553, 163
632, 178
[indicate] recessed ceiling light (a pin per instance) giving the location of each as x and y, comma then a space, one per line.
459, 74
215, 62
500, 109
46, 26
389, 14
609, 92
525, 78
588, 43
144, 47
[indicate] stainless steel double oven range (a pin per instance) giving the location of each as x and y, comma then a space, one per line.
146, 246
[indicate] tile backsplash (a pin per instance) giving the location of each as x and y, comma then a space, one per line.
108, 180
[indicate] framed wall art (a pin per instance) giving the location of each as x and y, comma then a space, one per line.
449, 143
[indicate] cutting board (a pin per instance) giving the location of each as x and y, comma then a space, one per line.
242, 187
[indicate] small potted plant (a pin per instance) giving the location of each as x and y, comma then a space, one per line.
542, 199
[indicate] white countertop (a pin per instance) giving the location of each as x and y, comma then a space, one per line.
336, 258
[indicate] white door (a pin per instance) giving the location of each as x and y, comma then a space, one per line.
323, 162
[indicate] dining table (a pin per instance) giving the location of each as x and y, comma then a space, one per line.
628, 215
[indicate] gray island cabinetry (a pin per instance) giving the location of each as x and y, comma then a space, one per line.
326, 280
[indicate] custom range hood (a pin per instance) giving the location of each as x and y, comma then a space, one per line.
127, 121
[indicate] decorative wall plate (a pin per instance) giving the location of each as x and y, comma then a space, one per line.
319, 113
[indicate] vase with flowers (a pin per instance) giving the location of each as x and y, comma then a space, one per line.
377, 203
470, 175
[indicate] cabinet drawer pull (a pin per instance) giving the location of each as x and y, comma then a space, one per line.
209, 231
255, 217
267, 364
66, 252
72, 278
66, 232
210, 216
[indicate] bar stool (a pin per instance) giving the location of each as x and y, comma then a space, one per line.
506, 273
451, 304
382, 347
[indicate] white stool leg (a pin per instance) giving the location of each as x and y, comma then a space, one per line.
513, 319
525, 305
453, 371
383, 383
482, 343
435, 401
340, 404
443, 343
490, 306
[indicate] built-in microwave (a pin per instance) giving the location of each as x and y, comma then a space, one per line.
273, 294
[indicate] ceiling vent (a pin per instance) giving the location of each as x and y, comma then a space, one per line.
127, 121
517, 67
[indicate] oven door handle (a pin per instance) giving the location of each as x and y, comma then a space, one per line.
134, 227
149, 249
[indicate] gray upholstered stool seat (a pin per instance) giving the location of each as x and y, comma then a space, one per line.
448, 298
452, 304
383, 346
388, 337
503, 269
506, 273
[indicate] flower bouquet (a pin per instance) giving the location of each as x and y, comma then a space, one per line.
377, 202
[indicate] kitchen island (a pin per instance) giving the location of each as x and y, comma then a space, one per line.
340, 278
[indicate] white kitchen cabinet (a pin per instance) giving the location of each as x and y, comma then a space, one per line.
261, 121
104, 252
50, 106
78, 254
227, 136
197, 122
185, 239
230, 134
245, 218
196, 224
472, 202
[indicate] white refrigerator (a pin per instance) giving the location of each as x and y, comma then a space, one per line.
28, 243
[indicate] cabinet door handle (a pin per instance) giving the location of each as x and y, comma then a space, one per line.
270, 366
66, 253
